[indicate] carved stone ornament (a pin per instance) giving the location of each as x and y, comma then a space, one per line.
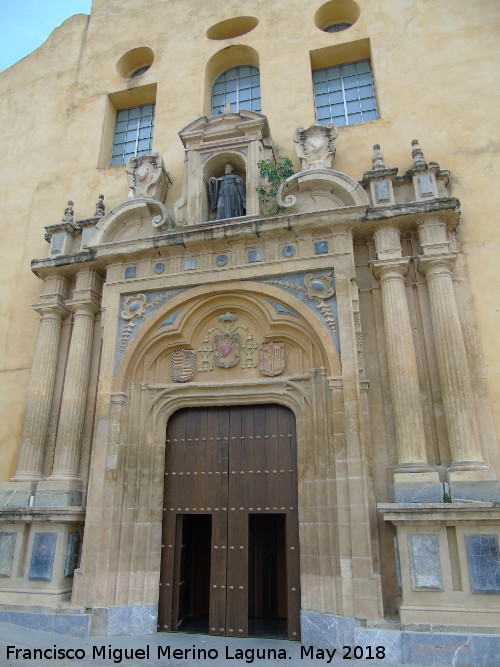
315, 146
183, 365
146, 176
134, 306
68, 213
272, 358
318, 287
227, 349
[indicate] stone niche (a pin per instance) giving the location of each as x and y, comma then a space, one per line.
239, 138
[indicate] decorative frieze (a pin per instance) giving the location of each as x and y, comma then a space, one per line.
317, 290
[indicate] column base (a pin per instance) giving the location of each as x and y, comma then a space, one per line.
16, 494
417, 487
63, 493
467, 483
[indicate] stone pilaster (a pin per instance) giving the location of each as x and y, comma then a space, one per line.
40, 389
64, 485
469, 477
414, 479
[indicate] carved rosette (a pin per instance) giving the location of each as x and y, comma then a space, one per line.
315, 146
182, 365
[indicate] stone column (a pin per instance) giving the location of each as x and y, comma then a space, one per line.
469, 477
40, 393
72, 414
414, 479
64, 484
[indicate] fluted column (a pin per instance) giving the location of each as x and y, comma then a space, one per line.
470, 478
414, 479
403, 375
456, 387
40, 393
72, 413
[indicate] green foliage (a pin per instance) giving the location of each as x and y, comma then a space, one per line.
275, 173
446, 498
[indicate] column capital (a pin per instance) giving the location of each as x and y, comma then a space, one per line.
431, 266
54, 308
85, 306
385, 269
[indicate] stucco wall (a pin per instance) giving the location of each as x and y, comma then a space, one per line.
433, 66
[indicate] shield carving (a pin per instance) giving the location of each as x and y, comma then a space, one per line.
227, 349
272, 358
183, 365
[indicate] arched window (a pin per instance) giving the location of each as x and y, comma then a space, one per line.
240, 86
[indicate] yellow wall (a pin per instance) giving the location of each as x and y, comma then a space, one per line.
434, 68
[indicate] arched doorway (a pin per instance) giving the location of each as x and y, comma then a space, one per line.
230, 559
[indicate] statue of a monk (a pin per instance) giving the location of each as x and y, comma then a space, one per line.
227, 194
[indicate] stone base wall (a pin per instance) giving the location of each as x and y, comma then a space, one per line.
400, 647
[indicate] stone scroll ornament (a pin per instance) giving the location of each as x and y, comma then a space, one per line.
183, 365
146, 177
315, 146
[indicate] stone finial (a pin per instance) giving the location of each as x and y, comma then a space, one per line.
100, 208
378, 158
68, 213
315, 146
418, 156
146, 177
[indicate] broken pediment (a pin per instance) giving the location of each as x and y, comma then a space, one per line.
132, 219
320, 189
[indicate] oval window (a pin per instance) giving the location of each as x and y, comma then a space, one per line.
232, 27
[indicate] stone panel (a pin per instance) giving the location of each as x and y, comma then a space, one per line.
7, 547
72, 549
42, 558
425, 565
484, 563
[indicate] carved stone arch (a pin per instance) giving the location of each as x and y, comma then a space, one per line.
307, 340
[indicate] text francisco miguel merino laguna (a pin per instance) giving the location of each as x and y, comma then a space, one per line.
119, 655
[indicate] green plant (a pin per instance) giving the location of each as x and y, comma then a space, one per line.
446, 498
275, 173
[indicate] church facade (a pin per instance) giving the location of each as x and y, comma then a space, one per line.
241, 405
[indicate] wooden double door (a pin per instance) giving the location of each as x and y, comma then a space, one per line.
230, 555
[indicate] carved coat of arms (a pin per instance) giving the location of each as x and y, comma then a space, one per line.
227, 349
272, 358
183, 365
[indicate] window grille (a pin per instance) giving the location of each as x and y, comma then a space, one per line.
344, 94
133, 133
240, 86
